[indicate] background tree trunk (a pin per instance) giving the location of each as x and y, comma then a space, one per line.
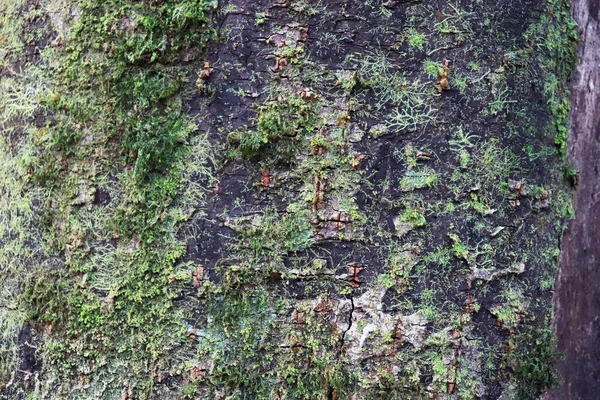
576, 298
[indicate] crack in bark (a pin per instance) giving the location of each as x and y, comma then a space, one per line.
343, 336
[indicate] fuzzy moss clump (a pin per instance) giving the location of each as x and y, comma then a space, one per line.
116, 125
556, 35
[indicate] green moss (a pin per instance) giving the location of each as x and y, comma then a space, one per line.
290, 119
115, 106
409, 99
18, 226
556, 36
534, 359
432, 69
415, 39
459, 249
422, 178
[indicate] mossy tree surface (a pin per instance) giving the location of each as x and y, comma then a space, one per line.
299, 200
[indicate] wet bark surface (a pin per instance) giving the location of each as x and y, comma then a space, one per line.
577, 297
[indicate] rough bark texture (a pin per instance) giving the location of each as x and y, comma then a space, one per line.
296, 199
577, 294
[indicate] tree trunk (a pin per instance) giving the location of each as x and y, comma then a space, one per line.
291, 199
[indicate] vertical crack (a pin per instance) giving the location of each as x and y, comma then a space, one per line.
343, 336
331, 392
